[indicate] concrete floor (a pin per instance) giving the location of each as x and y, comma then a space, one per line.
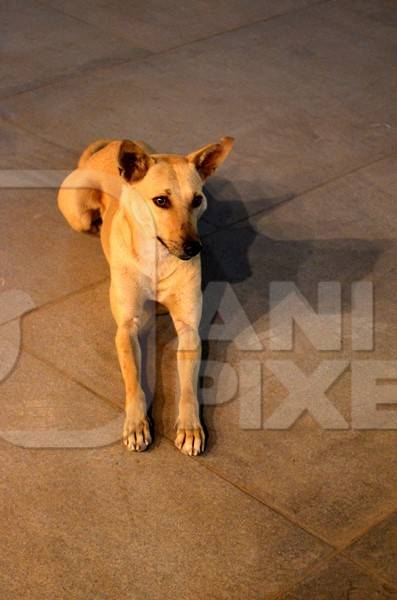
308, 89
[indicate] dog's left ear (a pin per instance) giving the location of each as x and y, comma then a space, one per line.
207, 159
133, 161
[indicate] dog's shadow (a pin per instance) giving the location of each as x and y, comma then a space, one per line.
238, 254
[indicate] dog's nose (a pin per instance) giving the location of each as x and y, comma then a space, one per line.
191, 248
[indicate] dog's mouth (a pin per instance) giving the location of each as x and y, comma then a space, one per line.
163, 242
189, 250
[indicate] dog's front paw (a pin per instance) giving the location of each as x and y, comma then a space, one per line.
136, 434
190, 440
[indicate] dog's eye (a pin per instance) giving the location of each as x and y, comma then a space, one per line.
197, 200
162, 201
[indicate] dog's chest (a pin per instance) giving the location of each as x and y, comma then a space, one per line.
165, 268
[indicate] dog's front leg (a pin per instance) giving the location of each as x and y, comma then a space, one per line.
136, 434
190, 438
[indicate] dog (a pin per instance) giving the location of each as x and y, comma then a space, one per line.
149, 205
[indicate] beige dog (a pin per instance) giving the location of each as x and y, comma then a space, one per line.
149, 205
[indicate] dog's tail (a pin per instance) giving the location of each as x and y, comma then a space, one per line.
91, 149
80, 197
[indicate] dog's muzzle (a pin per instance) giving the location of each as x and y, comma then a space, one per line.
190, 248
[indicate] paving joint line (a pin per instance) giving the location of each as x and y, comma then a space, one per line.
341, 552
374, 524
26, 350
335, 550
160, 52
113, 404
317, 567
274, 508
314, 566
304, 192
311, 570
60, 299
264, 210
56, 301
369, 571
18, 125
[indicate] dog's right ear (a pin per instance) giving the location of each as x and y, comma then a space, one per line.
133, 161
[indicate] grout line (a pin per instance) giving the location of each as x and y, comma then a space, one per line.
84, 71
265, 210
306, 191
274, 507
207, 37
374, 524
56, 301
314, 568
362, 565
24, 129
67, 296
335, 550
317, 567
158, 53
61, 11
70, 377
268, 504
369, 571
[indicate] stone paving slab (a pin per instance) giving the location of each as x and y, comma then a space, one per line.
37, 398
155, 29
40, 254
42, 45
55, 503
297, 469
300, 252
242, 567
358, 206
20, 149
335, 483
77, 327
249, 260
162, 521
307, 459
343, 232
311, 185
301, 75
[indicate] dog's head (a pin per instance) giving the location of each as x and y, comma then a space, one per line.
171, 185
